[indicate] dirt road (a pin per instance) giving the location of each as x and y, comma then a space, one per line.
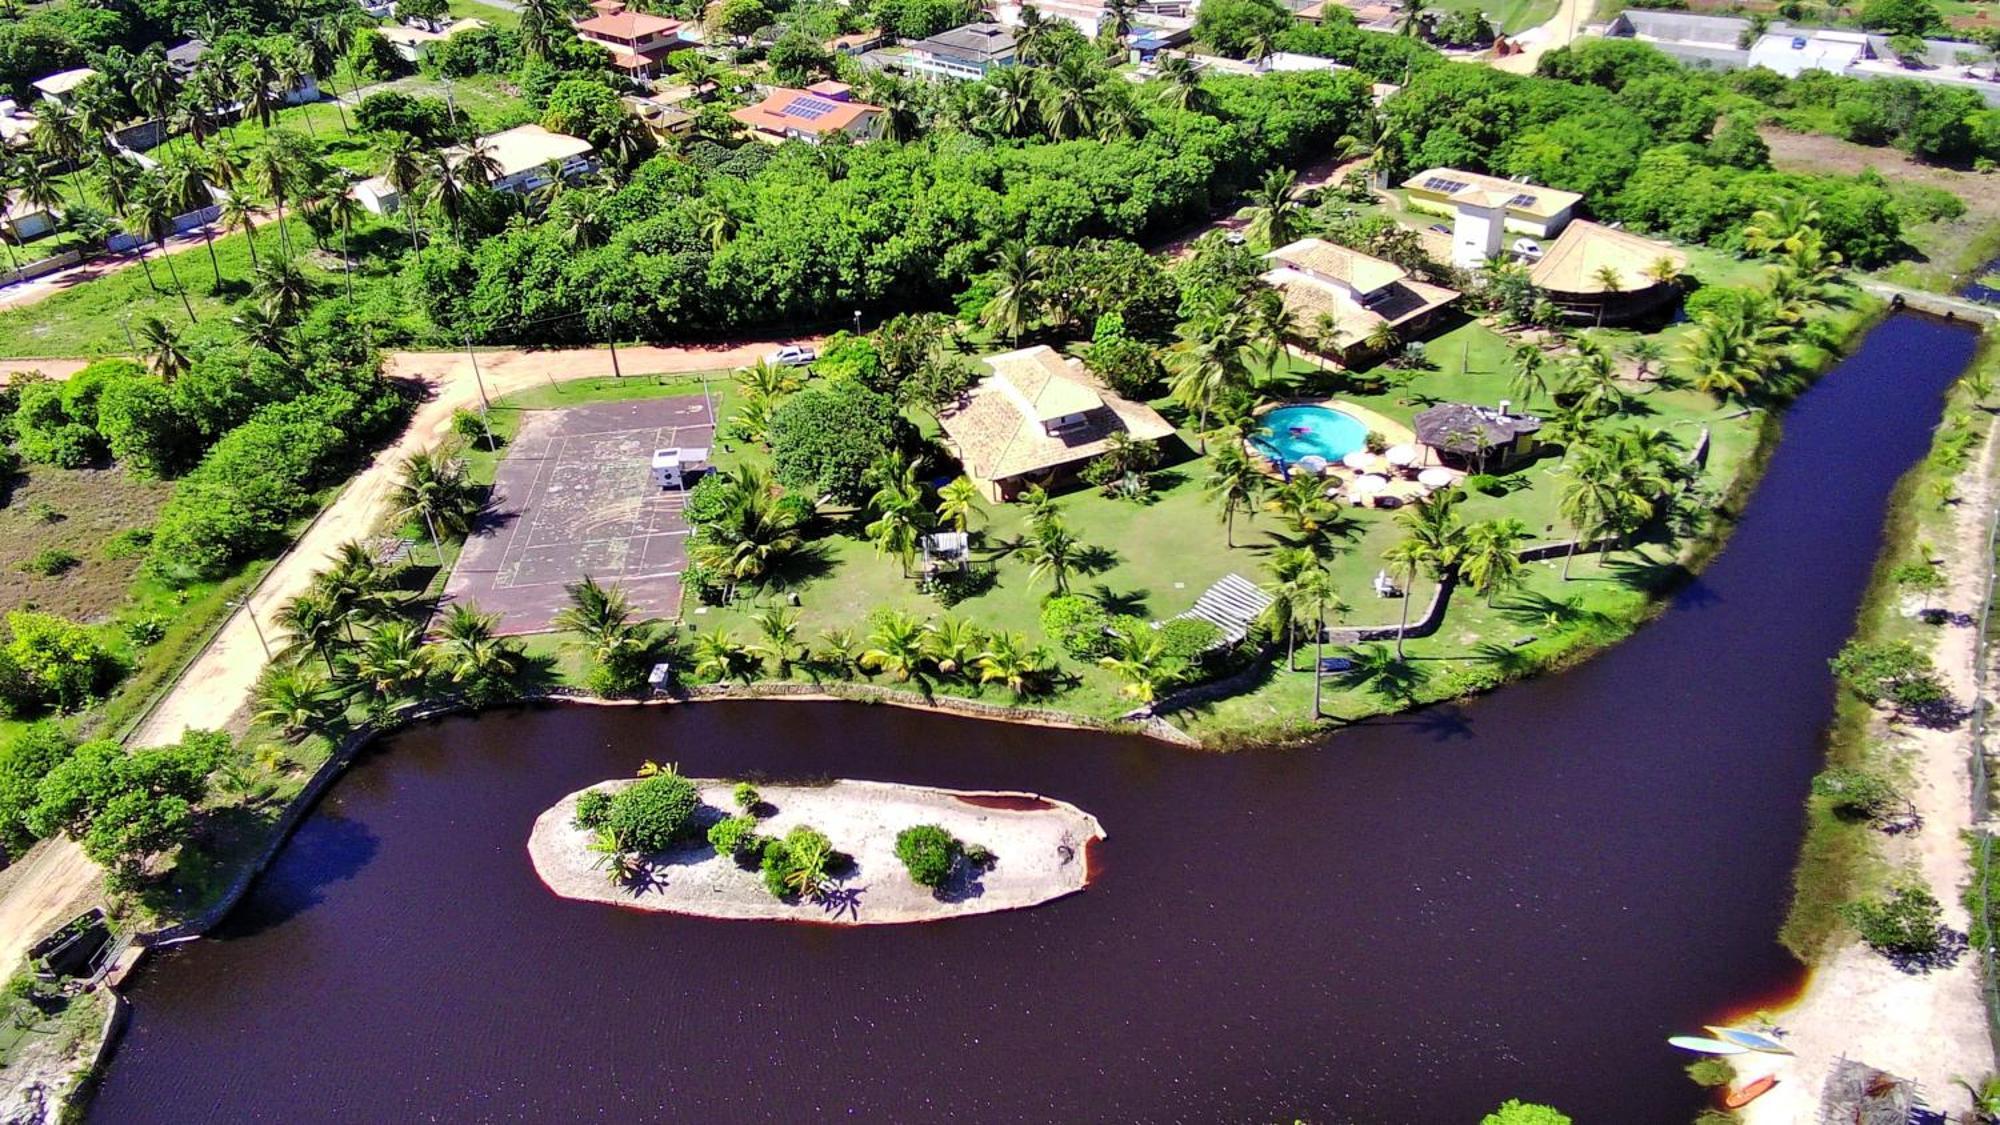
1930, 1027
40, 891
1563, 27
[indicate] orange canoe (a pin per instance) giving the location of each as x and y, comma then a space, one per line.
1737, 1099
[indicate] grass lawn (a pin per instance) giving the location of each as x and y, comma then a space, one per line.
92, 317
1510, 16
502, 18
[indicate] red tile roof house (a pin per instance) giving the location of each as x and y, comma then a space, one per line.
639, 43
811, 115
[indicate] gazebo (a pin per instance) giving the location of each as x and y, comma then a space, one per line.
1478, 438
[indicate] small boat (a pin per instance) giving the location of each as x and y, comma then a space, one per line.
1755, 1040
1737, 1099
1703, 1046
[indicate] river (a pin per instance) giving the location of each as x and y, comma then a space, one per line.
1414, 920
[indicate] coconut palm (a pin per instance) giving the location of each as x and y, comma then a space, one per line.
768, 380
1591, 498
359, 588
314, 623
1179, 83
1275, 209
1316, 588
1139, 657
1531, 374
478, 165
1492, 557
151, 217
754, 532
160, 343
470, 652
393, 663
778, 638
1069, 99
953, 645
1775, 229
1407, 557
1010, 659
1610, 282
1016, 300
404, 174
283, 288
295, 700
186, 186
837, 651
596, 612
1235, 484
1288, 567
1207, 362
59, 140
896, 647
432, 486
260, 329
273, 168
1053, 553
958, 504
719, 656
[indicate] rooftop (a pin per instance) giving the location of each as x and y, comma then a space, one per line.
980, 41
1525, 199
1576, 262
63, 81
1000, 428
1361, 272
628, 25
1459, 427
802, 111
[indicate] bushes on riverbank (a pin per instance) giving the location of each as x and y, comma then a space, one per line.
650, 816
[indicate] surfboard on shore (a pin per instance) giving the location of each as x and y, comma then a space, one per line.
1704, 1046
1755, 1040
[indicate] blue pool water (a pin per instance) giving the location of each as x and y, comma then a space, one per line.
1294, 432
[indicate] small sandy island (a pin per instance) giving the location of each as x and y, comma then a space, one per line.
1038, 847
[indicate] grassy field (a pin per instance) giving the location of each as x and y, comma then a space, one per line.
1510, 16
503, 18
75, 513
92, 318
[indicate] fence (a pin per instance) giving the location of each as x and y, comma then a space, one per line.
1981, 788
125, 242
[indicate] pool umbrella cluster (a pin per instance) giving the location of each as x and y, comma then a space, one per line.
1434, 478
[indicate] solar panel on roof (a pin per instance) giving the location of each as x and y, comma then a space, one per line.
808, 107
1445, 184
1522, 200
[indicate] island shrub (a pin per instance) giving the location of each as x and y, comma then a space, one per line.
736, 836
1518, 1112
798, 863
1854, 794
1907, 924
929, 853
593, 809
746, 797
1711, 1072
650, 815
1079, 625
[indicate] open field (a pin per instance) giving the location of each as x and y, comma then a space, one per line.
1511, 17
77, 512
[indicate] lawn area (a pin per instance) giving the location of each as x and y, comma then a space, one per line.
502, 18
1510, 16
92, 318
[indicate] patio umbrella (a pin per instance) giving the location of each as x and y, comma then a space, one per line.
1370, 484
1434, 478
1313, 463
1360, 460
1402, 456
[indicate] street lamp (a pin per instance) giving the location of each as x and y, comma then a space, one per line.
857, 322
244, 605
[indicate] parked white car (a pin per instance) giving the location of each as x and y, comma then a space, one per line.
792, 355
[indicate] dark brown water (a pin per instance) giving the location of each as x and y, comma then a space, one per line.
1409, 923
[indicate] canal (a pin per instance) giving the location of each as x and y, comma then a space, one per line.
1412, 921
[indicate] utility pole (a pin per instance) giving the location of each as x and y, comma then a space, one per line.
485, 404
251, 613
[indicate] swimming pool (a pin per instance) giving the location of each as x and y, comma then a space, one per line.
1291, 433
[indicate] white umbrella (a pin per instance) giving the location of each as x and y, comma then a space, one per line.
1313, 463
1434, 478
1402, 456
1359, 460
1370, 483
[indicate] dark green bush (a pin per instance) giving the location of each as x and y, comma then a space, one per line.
652, 814
593, 809
1486, 483
797, 864
51, 561
1854, 793
735, 836
1186, 640
1905, 924
929, 852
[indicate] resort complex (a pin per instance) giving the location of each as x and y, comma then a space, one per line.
1343, 561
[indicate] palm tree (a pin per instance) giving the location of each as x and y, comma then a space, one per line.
393, 663
1031, 37
1434, 522
1316, 588
1012, 93
239, 216
260, 329
1235, 483
1610, 282
273, 169
953, 646
1644, 353
1069, 99
597, 613
283, 287
1055, 553
778, 637
404, 174
1010, 659
446, 191
1017, 296
295, 700
720, 656
1275, 209
357, 587
152, 217
432, 486
755, 531
470, 652
314, 623
1138, 657
161, 345
1531, 378
1775, 229
59, 139
1590, 499
1207, 362
186, 186
1492, 557
1179, 83
1288, 567
958, 504
1407, 557
896, 646
768, 380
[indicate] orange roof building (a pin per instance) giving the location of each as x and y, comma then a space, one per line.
811, 115
638, 41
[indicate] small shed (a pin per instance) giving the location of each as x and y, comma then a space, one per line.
1476, 437
946, 550
676, 468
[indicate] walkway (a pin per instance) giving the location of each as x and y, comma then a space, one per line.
1561, 29
1937, 304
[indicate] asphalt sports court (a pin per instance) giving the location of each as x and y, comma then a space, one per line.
573, 497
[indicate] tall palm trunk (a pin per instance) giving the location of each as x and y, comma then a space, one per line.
1409, 594
1570, 555
208, 238
1319, 660
140, 252
175, 273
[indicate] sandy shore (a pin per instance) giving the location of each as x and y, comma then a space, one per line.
1038, 844
1930, 1026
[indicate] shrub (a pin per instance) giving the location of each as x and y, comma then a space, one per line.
1185, 640
1126, 366
708, 501
125, 807
1517, 1112
1711, 1072
797, 865
824, 438
468, 426
929, 853
593, 809
746, 796
1485, 483
653, 813
1905, 924
24, 761
735, 836
51, 662
47, 433
51, 561
128, 543
147, 630
1891, 670
1078, 624
1854, 793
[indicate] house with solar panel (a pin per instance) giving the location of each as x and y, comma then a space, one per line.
811, 115
1343, 300
1529, 209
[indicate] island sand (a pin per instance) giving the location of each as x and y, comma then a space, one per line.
1039, 846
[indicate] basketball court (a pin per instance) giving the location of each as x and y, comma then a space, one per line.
574, 496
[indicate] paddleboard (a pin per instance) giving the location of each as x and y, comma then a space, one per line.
1703, 1046
1755, 1040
